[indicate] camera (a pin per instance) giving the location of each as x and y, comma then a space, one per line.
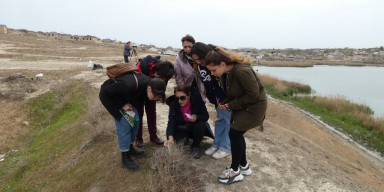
134, 46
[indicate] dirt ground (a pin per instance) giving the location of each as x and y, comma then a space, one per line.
294, 153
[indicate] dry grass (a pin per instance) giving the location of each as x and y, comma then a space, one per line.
83, 155
173, 172
13, 125
340, 104
18, 86
281, 85
310, 63
280, 63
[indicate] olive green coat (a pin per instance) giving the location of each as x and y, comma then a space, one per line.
245, 97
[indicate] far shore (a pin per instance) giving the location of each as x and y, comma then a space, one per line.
309, 63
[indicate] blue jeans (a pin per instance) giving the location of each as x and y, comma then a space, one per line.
126, 134
222, 126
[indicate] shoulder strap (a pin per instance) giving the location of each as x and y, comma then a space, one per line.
137, 83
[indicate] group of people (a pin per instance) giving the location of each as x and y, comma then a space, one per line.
202, 72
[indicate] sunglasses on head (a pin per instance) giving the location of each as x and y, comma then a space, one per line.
181, 98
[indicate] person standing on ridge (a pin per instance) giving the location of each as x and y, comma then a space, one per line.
127, 51
164, 69
221, 146
186, 69
246, 98
121, 97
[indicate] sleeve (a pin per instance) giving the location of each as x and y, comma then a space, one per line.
246, 79
171, 121
202, 114
178, 71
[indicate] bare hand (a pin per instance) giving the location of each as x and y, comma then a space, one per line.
128, 107
193, 119
168, 143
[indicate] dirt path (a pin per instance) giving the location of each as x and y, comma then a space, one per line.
294, 153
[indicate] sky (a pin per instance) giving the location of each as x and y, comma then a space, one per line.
260, 24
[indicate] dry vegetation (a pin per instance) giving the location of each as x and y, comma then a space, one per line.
280, 63
172, 172
340, 104
66, 140
311, 63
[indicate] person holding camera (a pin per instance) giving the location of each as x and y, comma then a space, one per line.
187, 119
127, 51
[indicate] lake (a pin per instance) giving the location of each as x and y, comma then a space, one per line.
363, 85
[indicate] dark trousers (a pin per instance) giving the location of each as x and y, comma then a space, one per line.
126, 58
196, 132
238, 148
150, 111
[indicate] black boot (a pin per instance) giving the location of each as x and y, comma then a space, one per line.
134, 152
128, 163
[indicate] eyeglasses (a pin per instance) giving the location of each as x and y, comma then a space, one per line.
188, 46
181, 98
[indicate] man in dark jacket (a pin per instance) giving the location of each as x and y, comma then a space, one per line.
127, 51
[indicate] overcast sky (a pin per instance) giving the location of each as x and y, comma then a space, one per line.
229, 23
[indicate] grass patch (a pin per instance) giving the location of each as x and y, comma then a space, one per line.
73, 147
50, 113
353, 119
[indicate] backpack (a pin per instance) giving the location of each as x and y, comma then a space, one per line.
120, 69
147, 64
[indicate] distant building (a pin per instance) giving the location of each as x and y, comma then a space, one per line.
76, 38
90, 38
53, 35
3, 29
41, 33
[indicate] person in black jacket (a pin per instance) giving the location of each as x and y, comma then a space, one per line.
164, 69
124, 94
187, 119
221, 146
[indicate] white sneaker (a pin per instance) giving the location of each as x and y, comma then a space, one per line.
220, 154
245, 170
211, 150
229, 176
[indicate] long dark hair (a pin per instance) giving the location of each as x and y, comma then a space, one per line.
158, 86
165, 70
201, 50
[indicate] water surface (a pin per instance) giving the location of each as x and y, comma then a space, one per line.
364, 85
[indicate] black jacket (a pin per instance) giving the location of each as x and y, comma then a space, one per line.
115, 95
175, 117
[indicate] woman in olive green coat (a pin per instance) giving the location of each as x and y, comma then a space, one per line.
247, 100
